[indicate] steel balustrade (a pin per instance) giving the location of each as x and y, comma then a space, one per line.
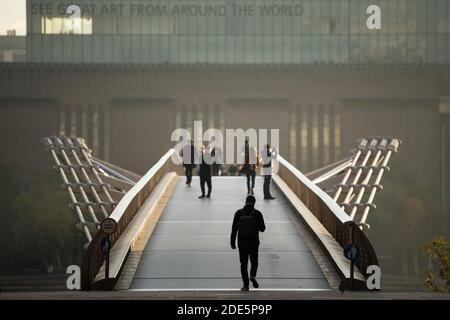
86, 177
81, 176
378, 153
365, 181
349, 170
52, 148
393, 147
329, 214
123, 214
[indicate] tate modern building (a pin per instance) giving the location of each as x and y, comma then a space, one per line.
120, 72
237, 32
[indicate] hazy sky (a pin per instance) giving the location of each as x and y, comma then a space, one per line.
13, 16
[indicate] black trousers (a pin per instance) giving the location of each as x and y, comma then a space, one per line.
248, 250
251, 180
266, 186
188, 170
205, 179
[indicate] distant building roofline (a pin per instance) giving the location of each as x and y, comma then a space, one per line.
13, 42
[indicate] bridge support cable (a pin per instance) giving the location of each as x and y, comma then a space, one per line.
365, 181
88, 180
393, 147
92, 165
78, 184
361, 179
91, 198
111, 171
329, 171
359, 171
348, 171
52, 148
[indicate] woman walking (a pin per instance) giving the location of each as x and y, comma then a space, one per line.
249, 169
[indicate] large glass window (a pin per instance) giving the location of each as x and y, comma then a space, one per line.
422, 16
411, 16
383, 47
412, 48
327, 30
403, 24
335, 49
392, 18
63, 25
448, 18
335, 18
355, 17
442, 16
432, 14
447, 55
325, 17
307, 17
315, 17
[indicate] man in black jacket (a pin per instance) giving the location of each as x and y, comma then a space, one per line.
188, 154
205, 172
247, 224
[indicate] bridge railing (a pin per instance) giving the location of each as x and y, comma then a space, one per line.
123, 213
331, 216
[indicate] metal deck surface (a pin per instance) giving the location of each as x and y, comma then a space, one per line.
189, 248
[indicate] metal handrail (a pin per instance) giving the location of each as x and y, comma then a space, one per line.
328, 212
123, 214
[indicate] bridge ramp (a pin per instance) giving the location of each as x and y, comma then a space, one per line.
189, 248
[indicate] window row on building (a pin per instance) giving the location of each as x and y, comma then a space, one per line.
90, 122
400, 48
266, 17
314, 132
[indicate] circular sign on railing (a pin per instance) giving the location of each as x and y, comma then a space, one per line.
352, 252
108, 226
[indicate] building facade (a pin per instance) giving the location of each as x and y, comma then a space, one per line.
238, 32
12, 48
320, 111
125, 73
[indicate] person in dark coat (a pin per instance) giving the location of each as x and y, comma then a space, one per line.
248, 169
217, 164
267, 155
251, 170
247, 224
205, 172
188, 154
246, 157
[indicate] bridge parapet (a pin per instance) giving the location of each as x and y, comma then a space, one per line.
123, 214
332, 217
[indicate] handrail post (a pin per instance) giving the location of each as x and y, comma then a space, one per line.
352, 261
107, 269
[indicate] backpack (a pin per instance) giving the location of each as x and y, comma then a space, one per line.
248, 225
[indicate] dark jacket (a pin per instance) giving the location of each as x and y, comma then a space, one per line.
205, 168
246, 154
234, 229
188, 155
